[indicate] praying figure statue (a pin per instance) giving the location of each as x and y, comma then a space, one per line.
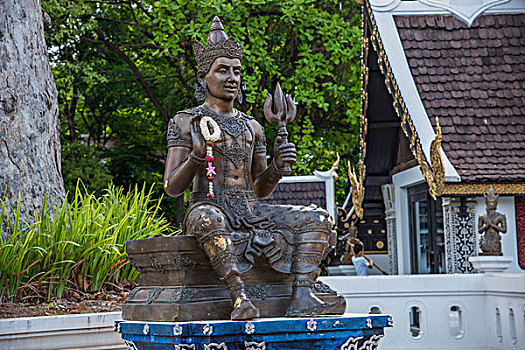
223, 151
491, 224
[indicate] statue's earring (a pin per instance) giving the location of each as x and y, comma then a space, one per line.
239, 94
200, 91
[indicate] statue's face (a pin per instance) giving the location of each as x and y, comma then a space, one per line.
492, 203
224, 78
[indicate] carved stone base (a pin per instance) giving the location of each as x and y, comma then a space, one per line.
347, 332
490, 263
177, 284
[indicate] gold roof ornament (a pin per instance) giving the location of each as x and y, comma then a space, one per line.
358, 188
435, 176
335, 166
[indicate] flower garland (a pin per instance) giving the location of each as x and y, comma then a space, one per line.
210, 138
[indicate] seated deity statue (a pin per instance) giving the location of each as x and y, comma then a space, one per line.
491, 224
230, 175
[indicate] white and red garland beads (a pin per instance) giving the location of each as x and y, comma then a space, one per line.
210, 138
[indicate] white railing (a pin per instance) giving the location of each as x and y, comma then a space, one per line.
477, 311
87, 332
468, 312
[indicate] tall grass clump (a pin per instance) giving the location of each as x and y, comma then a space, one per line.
77, 246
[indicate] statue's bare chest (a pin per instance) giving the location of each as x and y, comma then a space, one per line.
236, 141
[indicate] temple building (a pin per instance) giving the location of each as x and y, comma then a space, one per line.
443, 121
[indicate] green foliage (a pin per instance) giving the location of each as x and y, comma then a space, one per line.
124, 68
84, 162
75, 246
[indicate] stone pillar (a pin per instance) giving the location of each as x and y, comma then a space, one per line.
461, 242
450, 257
388, 191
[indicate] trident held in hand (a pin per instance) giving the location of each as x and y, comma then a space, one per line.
285, 112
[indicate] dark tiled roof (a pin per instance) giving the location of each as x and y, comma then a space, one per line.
299, 193
473, 79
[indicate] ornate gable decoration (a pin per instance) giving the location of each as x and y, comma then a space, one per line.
466, 10
433, 171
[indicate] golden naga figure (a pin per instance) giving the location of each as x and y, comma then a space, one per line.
223, 152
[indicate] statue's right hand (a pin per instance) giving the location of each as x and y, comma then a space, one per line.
199, 144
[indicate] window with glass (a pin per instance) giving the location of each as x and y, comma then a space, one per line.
427, 239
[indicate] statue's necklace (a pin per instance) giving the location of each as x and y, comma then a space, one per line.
210, 138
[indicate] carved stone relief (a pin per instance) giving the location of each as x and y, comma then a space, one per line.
520, 229
154, 294
258, 290
460, 235
183, 293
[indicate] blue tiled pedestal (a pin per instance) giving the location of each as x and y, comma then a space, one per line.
346, 332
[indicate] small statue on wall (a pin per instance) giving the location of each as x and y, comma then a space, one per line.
491, 224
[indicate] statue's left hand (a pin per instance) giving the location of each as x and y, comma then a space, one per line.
199, 144
284, 153
495, 226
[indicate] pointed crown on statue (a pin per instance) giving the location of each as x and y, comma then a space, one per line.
217, 45
491, 196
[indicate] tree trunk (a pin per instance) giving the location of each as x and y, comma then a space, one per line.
29, 125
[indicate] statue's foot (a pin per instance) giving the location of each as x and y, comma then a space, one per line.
304, 303
303, 298
244, 310
322, 309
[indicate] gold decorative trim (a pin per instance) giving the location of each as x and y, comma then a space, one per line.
358, 188
433, 173
335, 167
375, 252
483, 188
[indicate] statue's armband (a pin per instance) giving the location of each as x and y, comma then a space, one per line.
176, 137
260, 144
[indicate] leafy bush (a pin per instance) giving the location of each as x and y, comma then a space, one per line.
76, 246
83, 161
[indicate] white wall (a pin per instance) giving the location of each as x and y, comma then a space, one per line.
477, 295
382, 261
506, 294
85, 331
